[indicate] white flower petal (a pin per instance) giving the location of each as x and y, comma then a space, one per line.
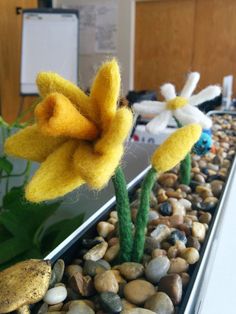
159, 123
190, 85
183, 117
206, 94
198, 116
149, 107
168, 91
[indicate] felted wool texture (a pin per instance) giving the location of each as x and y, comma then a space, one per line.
190, 84
210, 92
116, 133
105, 90
168, 91
49, 82
93, 160
57, 116
31, 144
185, 170
56, 175
96, 169
124, 216
175, 148
142, 216
176, 103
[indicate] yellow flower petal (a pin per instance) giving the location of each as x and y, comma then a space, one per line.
117, 133
49, 82
57, 116
176, 147
31, 144
105, 92
56, 175
96, 169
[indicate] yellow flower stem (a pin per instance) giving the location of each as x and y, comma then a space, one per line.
185, 165
124, 216
142, 216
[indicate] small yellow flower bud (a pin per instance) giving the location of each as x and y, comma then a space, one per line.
175, 148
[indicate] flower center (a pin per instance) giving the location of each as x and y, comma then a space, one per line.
176, 103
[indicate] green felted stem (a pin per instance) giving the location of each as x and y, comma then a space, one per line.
185, 170
185, 165
142, 215
124, 216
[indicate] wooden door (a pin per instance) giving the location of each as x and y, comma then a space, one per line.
163, 42
215, 40
10, 46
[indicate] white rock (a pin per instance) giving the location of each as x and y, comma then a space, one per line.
186, 203
55, 295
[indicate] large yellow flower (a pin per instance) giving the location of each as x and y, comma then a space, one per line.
77, 138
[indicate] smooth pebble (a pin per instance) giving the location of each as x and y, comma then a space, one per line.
55, 295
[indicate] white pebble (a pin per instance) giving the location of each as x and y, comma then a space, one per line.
55, 295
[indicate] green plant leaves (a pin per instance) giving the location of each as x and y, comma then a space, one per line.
13, 247
6, 165
58, 232
18, 211
22, 228
23, 232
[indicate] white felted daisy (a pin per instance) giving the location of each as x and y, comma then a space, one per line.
182, 107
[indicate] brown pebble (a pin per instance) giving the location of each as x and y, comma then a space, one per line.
167, 179
178, 265
158, 252
172, 285
97, 252
160, 302
217, 186
185, 279
119, 278
176, 249
198, 231
185, 228
55, 307
113, 241
205, 218
176, 220
71, 270
82, 284
112, 252
193, 242
138, 291
126, 305
104, 228
105, 282
199, 178
191, 255
131, 271
174, 194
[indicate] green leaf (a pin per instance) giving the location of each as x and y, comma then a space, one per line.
58, 232
12, 247
31, 253
13, 224
6, 165
22, 217
3, 122
4, 234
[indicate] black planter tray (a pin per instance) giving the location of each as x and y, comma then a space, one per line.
193, 296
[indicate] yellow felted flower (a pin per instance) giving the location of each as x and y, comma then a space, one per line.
77, 138
176, 147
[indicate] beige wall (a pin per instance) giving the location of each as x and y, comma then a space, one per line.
125, 43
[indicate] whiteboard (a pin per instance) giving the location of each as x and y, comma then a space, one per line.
50, 41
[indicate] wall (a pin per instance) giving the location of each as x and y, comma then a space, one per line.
125, 46
174, 37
